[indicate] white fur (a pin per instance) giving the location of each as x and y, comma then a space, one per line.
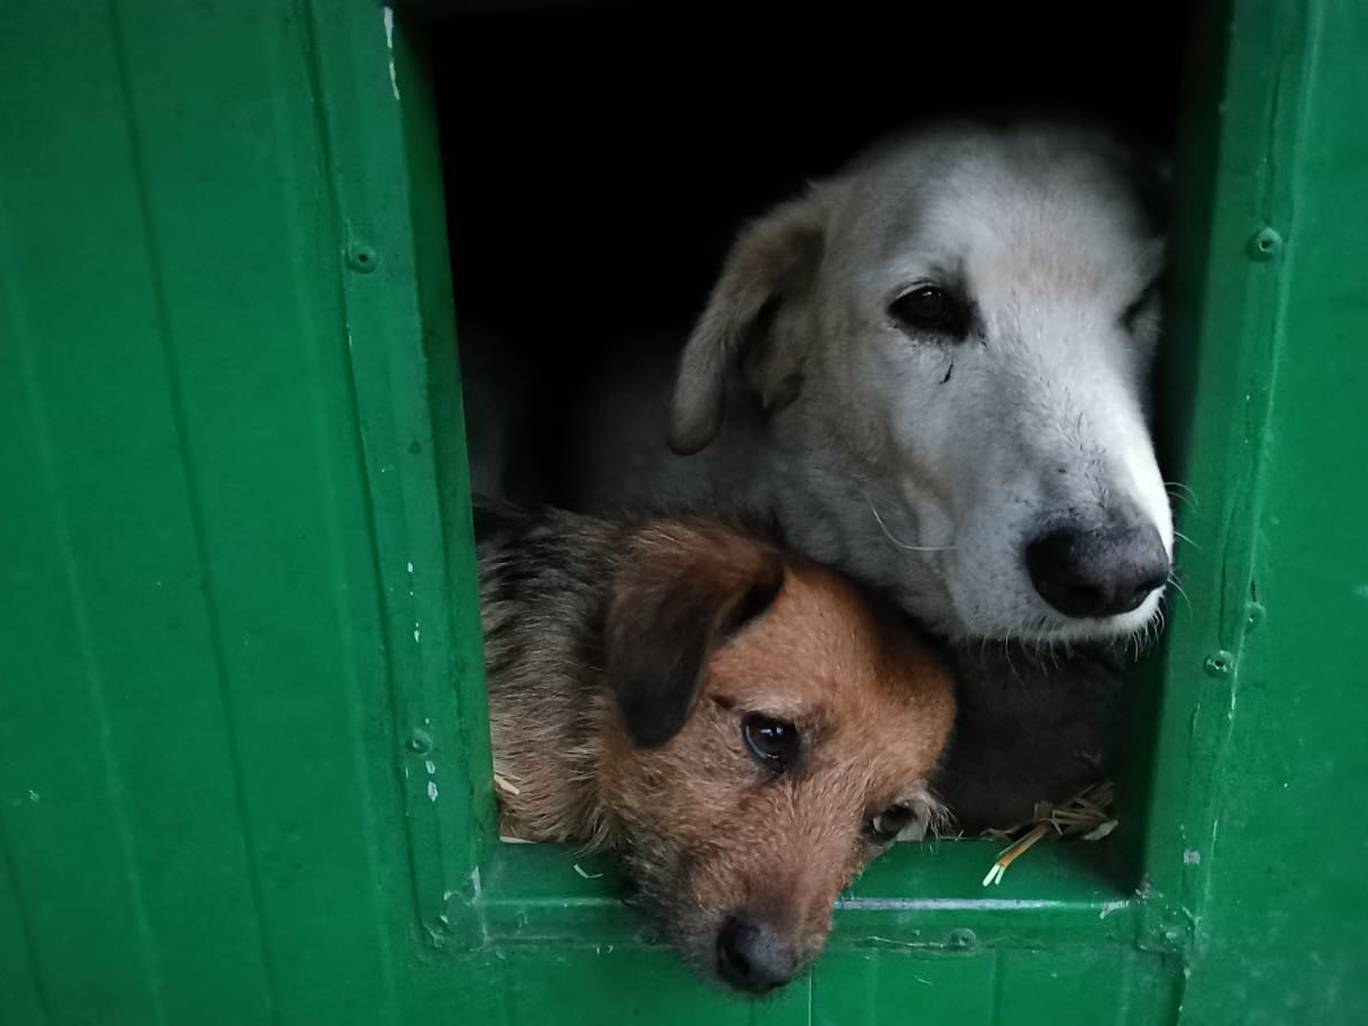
880, 466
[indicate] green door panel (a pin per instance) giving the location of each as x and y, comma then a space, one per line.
1071, 986
194, 716
1283, 933
244, 771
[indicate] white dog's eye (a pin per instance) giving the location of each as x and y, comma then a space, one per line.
928, 310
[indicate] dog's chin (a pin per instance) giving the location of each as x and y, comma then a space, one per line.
694, 937
1035, 623
696, 943
714, 976
663, 894
1139, 627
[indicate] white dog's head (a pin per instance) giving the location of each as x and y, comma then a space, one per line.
951, 342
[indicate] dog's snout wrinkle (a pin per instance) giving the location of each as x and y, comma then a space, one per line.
752, 956
1098, 573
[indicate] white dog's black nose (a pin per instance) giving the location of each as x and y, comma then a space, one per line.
751, 956
1103, 572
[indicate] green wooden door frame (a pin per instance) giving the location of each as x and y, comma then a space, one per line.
244, 770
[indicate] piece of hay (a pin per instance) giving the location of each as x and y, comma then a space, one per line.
1087, 816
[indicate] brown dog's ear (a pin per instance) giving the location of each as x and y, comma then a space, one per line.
776, 254
679, 596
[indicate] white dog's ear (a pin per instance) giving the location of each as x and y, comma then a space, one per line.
774, 256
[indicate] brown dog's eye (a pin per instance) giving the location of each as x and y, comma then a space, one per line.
773, 743
928, 309
887, 825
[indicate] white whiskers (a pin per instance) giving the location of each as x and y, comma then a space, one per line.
902, 544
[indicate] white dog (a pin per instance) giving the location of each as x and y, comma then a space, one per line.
930, 371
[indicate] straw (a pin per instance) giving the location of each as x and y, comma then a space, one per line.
1086, 816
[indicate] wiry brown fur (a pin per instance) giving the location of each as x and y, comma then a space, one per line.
571, 601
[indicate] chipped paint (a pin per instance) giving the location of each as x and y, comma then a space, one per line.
432, 790
431, 767
945, 904
1192, 857
1109, 907
389, 45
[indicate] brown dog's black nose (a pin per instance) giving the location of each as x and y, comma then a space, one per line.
1104, 572
750, 956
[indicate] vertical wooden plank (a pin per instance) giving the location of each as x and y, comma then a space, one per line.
1284, 929
1248, 65
108, 710
876, 985
257, 347
22, 993
385, 186
194, 663
591, 985
1075, 986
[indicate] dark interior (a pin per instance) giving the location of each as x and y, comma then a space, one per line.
625, 144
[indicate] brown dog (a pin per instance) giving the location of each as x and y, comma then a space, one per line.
737, 720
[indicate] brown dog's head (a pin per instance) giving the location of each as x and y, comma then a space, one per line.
776, 735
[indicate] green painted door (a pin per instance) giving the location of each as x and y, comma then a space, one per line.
244, 770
